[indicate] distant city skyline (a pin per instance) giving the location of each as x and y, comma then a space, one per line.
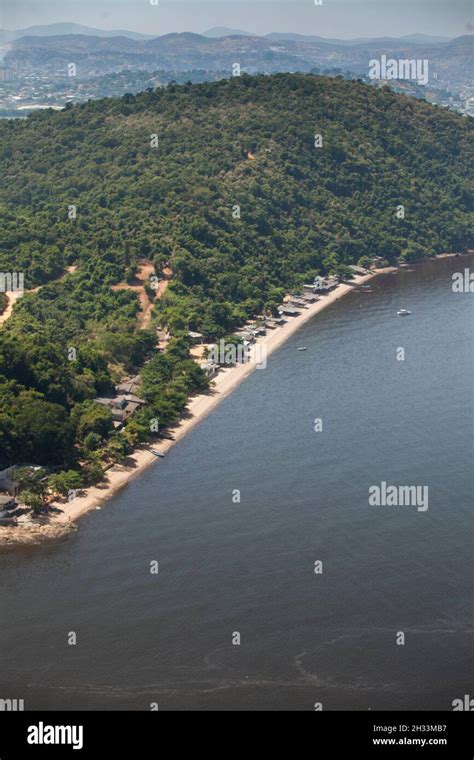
344, 19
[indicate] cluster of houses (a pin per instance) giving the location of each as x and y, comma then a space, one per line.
291, 307
125, 402
122, 405
247, 335
311, 293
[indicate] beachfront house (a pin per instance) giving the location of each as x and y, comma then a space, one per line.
257, 330
245, 335
357, 270
122, 407
324, 284
299, 303
288, 311
8, 483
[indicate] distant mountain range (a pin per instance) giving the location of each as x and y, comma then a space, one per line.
59, 29
49, 50
53, 30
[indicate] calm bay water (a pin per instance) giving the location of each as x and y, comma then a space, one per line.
248, 567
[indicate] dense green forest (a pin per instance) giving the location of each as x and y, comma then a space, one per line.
224, 181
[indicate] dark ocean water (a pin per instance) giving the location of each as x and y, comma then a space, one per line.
248, 567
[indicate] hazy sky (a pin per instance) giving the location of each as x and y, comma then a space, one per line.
334, 18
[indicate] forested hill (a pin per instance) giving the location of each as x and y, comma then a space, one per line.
225, 182
301, 207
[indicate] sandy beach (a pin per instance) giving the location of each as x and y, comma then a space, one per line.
198, 408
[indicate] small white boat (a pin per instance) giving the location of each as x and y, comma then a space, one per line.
302, 348
157, 453
403, 312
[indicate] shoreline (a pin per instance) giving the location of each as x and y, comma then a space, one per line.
198, 408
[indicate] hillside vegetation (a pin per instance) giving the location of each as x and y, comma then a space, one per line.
249, 143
